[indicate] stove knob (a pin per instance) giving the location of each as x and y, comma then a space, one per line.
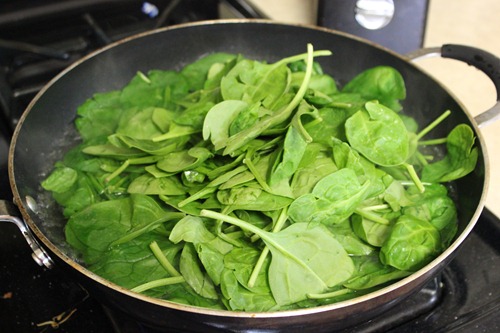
374, 14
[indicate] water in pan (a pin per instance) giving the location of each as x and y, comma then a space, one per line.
49, 217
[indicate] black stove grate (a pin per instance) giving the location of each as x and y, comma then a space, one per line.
49, 36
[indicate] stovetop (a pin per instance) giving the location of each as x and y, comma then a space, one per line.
463, 298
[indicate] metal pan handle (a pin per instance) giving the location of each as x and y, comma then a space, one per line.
8, 213
488, 63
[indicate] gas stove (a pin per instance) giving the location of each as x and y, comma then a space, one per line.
39, 39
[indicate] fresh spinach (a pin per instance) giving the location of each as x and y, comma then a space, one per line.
382, 83
412, 244
302, 259
461, 158
251, 186
379, 134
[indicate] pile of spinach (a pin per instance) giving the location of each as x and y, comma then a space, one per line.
242, 185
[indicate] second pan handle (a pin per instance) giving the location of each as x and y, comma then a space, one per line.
485, 61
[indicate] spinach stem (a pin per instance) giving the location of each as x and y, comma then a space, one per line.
158, 283
411, 183
227, 176
303, 56
256, 237
330, 294
305, 83
118, 171
145, 228
221, 234
414, 177
375, 207
145, 160
143, 77
297, 123
283, 217
162, 259
341, 105
421, 158
372, 216
433, 142
224, 168
258, 267
431, 126
200, 194
100, 189
235, 221
133, 161
262, 182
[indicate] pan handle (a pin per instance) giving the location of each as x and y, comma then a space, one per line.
7, 214
488, 63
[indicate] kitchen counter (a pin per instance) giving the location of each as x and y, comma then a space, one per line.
473, 23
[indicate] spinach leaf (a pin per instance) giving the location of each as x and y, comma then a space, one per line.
60, 180
238, 140
412, 244
140, 124
150, 185
436, 207
316, 163
132, 263
92, 230
248, 198
82, 194
460, 160
333, 199
212, 254
331, 126
210, 251
239, 264
158, 88
197, 73
381, 83
354, 245
192, 271
370, 231
379, 134
372, 273
218, 120
99, 116
253, 81
190, 229
184, 160
293, 150
346, 157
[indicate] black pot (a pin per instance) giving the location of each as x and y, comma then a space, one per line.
44, 133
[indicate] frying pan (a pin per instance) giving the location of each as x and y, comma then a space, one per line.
46, 131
